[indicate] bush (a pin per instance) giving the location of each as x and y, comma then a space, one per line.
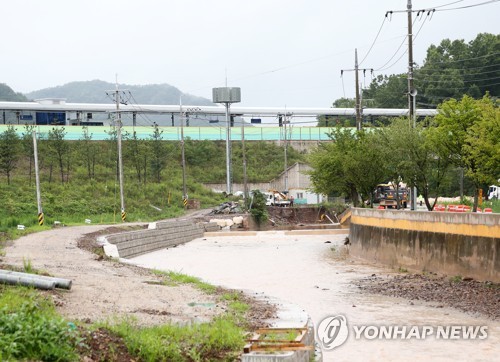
32, 331
259, 209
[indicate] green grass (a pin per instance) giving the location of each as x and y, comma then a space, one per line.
218, 340
30, 329
222, 339
27, 266
81, 197
456, 279
174, 278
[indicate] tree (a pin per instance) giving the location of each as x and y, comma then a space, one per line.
258, 208
60, 149
88, 152
158, 153
450, 70
350, 165
410, 156
28, 147
388, 91
468, 131
9, 151
137, 154
455, 68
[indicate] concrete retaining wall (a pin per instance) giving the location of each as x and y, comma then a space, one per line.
159, 235
465, 244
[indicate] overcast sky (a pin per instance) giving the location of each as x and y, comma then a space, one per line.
282, 53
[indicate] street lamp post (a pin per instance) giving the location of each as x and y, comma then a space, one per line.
227, 95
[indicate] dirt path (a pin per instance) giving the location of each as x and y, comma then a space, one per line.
104, 289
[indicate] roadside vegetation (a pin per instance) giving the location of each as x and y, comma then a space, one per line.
79, 179
460, 143
31, 329
454, 154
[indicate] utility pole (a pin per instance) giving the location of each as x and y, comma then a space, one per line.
243, 152
358, 103
410, 61
286, 151
358, 98
227, 95
412, 92
119, 141
37, 181
183, 158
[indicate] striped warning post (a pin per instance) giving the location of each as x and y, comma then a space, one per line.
40, 218
185, 202
124, 215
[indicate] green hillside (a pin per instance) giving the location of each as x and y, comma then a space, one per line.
8, 95
94, 91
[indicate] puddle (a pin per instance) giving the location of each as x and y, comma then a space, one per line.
304, 270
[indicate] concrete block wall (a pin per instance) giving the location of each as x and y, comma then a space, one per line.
160, 235
465, 244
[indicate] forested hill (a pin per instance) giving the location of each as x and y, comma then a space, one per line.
7, 94
94, 91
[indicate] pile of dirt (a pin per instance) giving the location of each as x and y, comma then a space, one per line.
102, 345
468, 295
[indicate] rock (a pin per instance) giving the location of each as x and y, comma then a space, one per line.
237, 220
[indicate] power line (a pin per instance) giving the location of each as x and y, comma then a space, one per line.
464, 60
469, 6
441, 6
437, 71
374, 40
460, 88
465, 81
406, 50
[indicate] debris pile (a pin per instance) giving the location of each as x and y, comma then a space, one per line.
229, 207
227, 224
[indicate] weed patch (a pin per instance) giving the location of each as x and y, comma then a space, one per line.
31, 330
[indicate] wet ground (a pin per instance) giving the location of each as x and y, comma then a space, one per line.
315, 272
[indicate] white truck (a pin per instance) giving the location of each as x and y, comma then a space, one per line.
494, 192
276, 198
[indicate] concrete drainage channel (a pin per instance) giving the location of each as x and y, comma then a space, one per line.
291, 337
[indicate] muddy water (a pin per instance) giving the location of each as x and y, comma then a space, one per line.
304, 270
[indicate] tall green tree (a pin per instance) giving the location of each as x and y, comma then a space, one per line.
349, 165
388, 91
59, 149
28, 147
158, 153
450, 70
88, 152
9, 151
468, 131
455, 68
137, 154
410, 156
